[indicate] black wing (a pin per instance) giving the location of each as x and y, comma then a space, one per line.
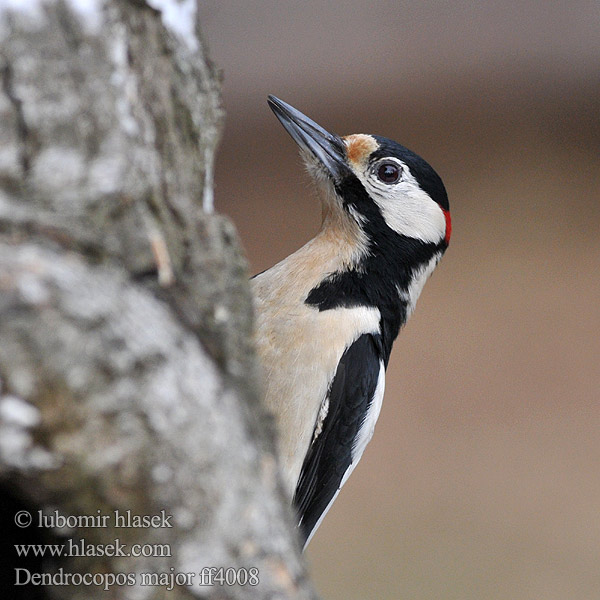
330, 454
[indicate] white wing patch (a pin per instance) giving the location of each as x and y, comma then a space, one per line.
321, 418
365, 433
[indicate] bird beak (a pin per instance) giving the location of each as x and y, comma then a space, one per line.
327, 147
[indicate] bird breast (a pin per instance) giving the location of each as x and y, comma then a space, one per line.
300, 346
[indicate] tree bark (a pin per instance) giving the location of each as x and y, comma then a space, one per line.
128, 379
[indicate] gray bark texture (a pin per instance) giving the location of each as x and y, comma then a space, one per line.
128, 380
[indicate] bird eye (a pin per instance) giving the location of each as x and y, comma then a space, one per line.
388, 172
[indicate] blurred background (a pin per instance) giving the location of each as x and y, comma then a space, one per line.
482, 480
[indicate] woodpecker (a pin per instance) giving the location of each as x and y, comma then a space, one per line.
327, 315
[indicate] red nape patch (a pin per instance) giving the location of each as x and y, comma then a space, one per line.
448, 226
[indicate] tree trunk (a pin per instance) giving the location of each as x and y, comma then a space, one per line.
128, 382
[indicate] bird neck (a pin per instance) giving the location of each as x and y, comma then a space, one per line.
386, 272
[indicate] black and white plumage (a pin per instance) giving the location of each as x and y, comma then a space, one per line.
327, 315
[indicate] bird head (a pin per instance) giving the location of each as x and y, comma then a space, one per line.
375, 181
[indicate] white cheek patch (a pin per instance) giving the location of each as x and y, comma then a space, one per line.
406, 208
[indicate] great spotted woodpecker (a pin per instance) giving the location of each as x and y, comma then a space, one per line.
327, 316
